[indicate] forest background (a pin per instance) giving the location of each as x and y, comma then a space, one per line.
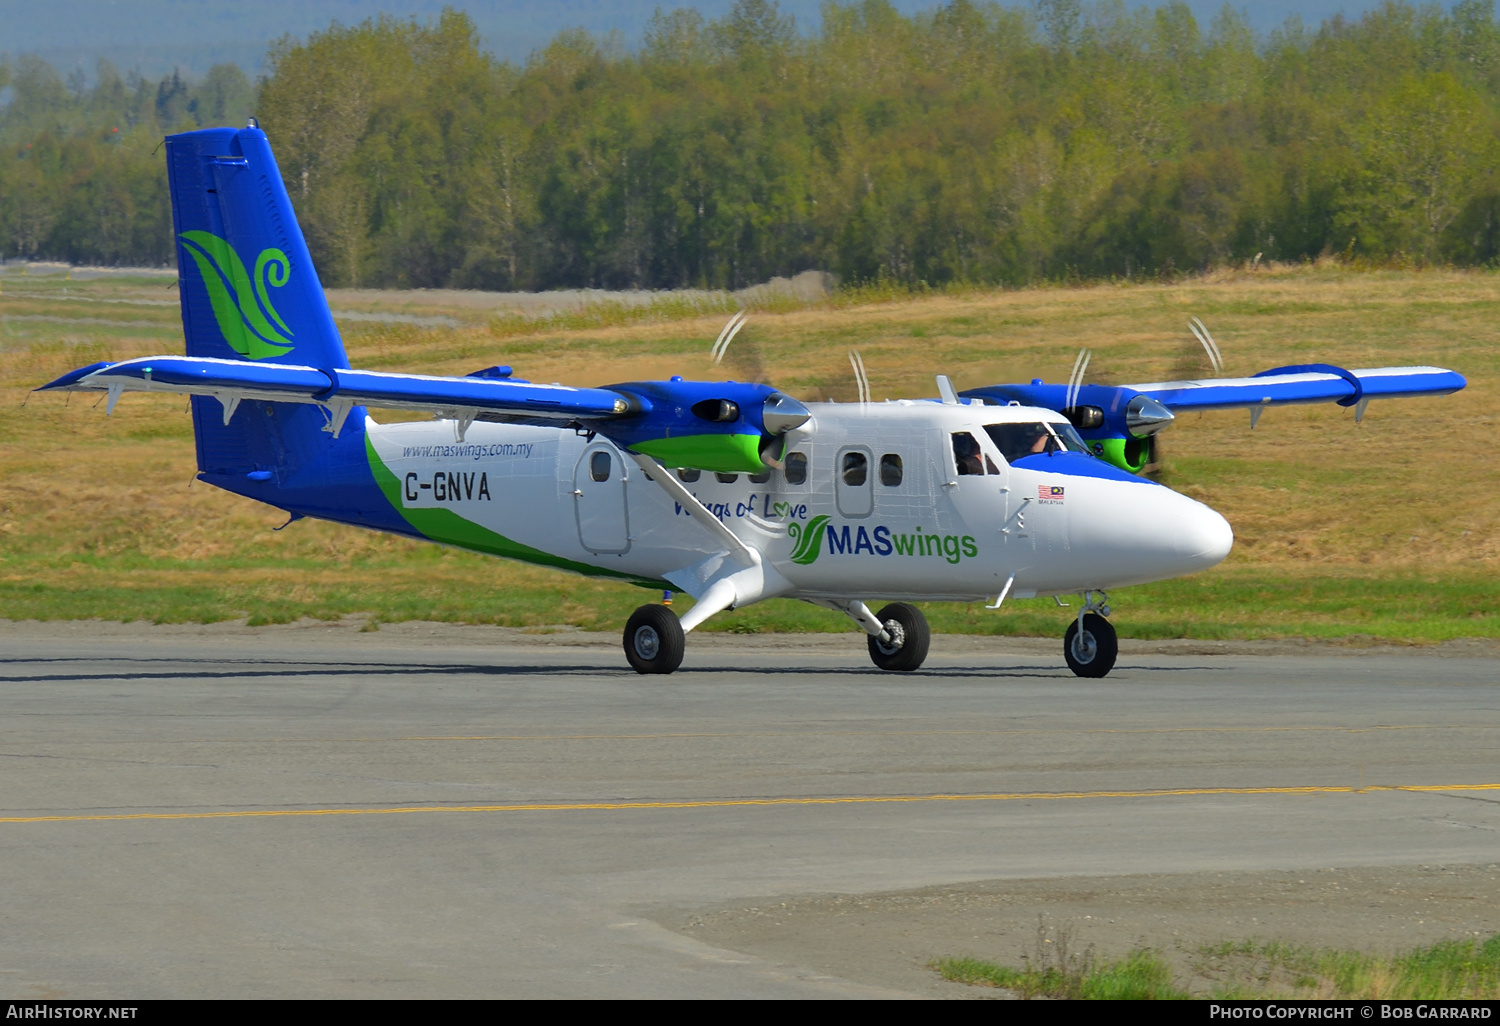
975, 143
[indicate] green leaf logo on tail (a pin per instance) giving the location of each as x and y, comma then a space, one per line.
808, 539
240, 302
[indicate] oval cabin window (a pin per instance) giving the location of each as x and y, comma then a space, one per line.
599, 466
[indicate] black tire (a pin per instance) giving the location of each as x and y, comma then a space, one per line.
909, 632
654, 642
1092, 651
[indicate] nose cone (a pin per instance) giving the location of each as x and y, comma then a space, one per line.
1145, 416
1202, 537
1133, 533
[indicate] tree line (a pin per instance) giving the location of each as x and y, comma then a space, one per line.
972, 143
81, 175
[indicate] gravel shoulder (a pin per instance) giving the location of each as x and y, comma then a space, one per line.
889, 938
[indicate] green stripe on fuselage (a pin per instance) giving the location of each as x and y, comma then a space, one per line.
725, 454
447, 527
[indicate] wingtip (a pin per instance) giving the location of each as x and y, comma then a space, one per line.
71, 379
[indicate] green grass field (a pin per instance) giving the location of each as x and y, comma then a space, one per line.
1383, 531
1249, 970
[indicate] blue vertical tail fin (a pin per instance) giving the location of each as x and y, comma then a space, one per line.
249, 290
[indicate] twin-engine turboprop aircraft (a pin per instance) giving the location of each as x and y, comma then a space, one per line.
731, 492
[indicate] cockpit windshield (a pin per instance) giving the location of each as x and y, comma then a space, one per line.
1017, 441
1071, 438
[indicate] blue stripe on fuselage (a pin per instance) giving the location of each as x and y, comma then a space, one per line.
1076, 464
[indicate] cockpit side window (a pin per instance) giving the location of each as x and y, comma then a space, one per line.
967, 456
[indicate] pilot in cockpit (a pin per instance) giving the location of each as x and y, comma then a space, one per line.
966, 453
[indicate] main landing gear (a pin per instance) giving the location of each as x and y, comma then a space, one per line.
1090, 645
654, 640
908, 634
898, 635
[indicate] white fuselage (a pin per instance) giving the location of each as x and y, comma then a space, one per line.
937, 534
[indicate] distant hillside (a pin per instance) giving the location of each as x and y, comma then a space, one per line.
155, 37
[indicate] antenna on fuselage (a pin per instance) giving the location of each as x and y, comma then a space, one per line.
946, 390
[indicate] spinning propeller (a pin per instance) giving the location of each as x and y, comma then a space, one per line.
1120, 423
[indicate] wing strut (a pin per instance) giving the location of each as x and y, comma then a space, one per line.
668, 482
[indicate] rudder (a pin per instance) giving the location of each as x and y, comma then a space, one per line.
249, 289
249, 292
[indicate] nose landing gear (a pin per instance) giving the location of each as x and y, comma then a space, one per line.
1090, 645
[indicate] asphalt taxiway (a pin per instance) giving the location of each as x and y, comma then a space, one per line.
432, 811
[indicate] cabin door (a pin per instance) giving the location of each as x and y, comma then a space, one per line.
599, 499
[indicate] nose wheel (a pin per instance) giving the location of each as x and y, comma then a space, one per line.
654, 640
1090, 645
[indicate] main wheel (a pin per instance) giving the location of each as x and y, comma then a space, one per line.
654, 642
1091, 652
910, 637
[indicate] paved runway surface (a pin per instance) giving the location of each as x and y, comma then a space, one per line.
411, 814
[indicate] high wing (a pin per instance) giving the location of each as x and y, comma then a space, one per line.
722, 426
1117, 421
1303, 383
339, 390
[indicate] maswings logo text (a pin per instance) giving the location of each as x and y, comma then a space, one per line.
807, 542
241, 304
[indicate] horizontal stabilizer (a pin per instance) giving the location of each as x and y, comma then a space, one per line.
233, 380
1309, 383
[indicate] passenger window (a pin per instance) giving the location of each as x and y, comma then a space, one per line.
761, 478
599, 466
688, 474
852, 491
727, 478
795, 468
966, 454
856, 468
890, 470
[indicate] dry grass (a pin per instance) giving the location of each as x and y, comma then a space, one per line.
1410, 493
